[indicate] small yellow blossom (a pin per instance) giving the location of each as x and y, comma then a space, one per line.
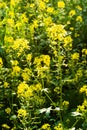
58, 127
42, 5
24, 18
24, 90
6, 85
56, 32
8, 39
46, 1
76, 35
22, 113
84, 51
5, 126
35, 23
10, 22
14, 62
72, 13
16, 70
20, 44
36, 87
47, 21
50, 9
45, 127
1, 62
79, 7
71, 28
67, 40
61, 4
29, 57
84, 89
75, 56
79, 19
8, 110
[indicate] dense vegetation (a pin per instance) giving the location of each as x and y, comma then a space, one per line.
43, 64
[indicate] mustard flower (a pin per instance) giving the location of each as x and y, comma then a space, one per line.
20, 44
42, 5
5, 126
14, 62
67, 40
75, 56
22, 113
61, 4
37, 87
24, 18
16, 70
29, 57
6, 85
35, 23
84, 51
79, 19
10, 22
83, 89
58, 127
56, 32
72, 13
47, 21
79, 7
26, 74
45, 126
8, 110
1, 62
50, 10
24, 90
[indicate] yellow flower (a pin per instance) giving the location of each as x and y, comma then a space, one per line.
47, 21
42, 5
76, 35
9, 39
5, 126
8, 110
56, 32
22, 113
6, 85
71, 28
59, 127
25, 76
16, 70
72, 13
10, 22
61, 4
79, 19
84, 89
20, 44
84, 51
68, 41
46, 126
36, 87
24, 18
2, 5
24, 90
79, 7
14, 2
1, 62
50, 9
14, 62
46, 1
45, 59
35, 23
75, 56
29, 57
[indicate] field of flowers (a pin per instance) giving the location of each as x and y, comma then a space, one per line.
43, 64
